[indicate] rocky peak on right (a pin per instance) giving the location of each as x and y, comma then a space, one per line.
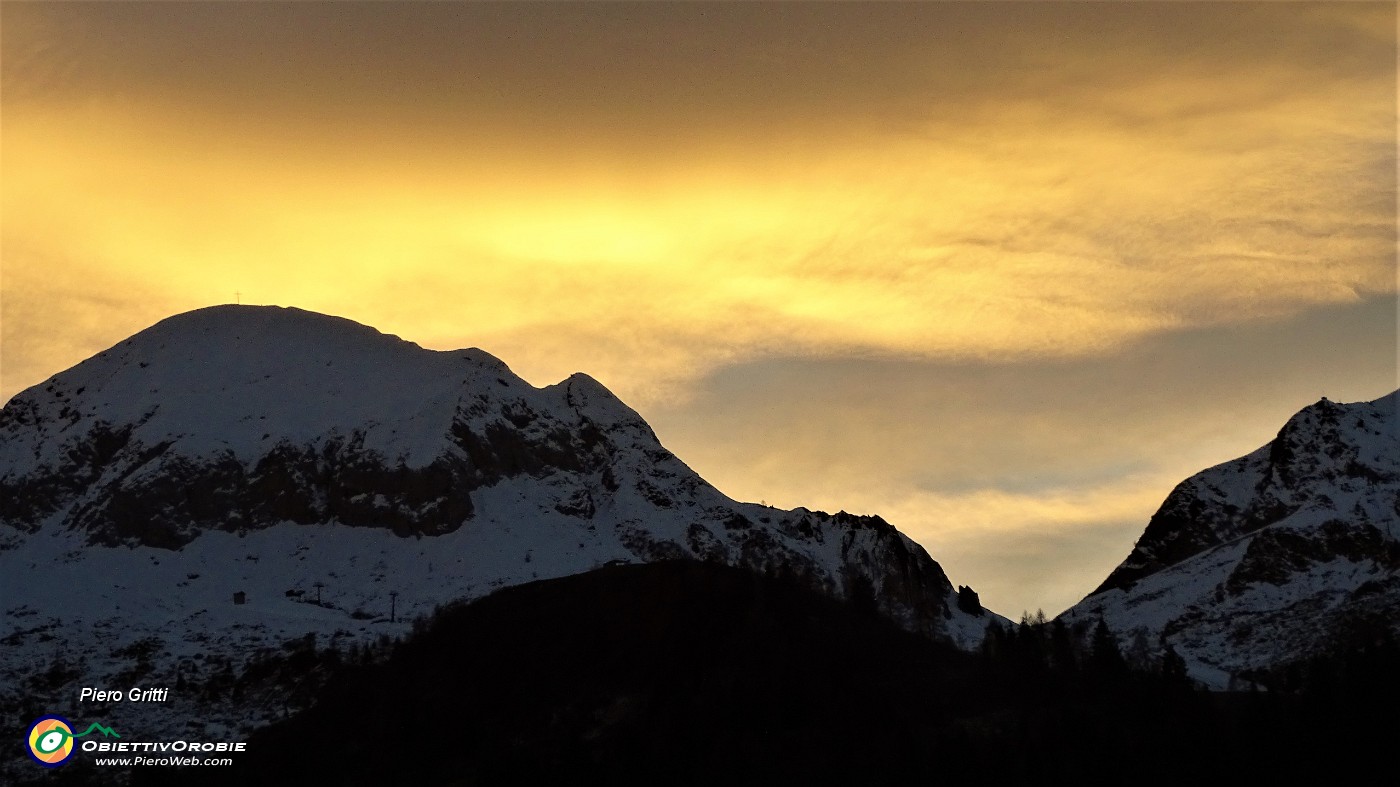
1257, 565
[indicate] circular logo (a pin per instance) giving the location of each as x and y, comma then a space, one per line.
51, 741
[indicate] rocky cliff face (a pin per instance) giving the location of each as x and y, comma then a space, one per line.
346, 482
1274, 556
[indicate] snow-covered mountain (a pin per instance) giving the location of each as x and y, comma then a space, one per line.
334, 476
1273, 557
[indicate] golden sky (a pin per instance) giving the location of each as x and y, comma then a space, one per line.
1001, 272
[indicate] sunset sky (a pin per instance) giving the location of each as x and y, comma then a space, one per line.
1002, 273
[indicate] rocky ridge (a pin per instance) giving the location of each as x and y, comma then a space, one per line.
1273, 557
235, 483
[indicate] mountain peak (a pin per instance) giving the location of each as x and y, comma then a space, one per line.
1259, 560
271, 423
239, 379
228, 315
592, 400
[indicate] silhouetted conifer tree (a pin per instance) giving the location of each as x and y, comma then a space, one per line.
862, 596
1174, 669
1062, 650
1104, 657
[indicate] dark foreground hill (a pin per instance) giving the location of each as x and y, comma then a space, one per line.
689, 673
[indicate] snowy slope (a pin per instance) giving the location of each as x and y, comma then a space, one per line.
1271, 557
286, 454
